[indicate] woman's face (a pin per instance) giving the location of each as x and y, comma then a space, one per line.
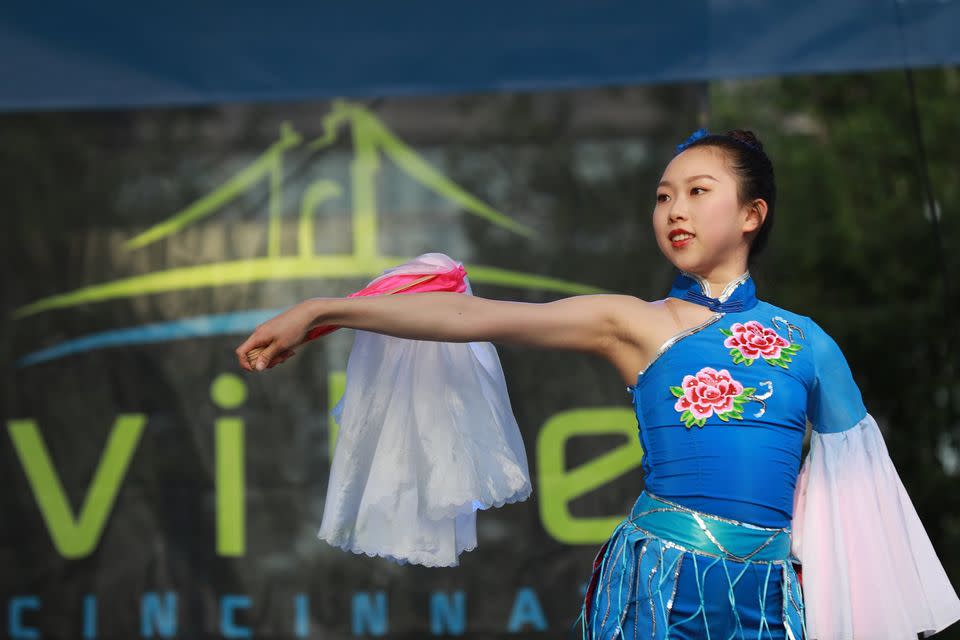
698, 220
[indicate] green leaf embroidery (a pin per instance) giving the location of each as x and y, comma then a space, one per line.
723, 416
676, 391
689, 420
726, 332
749, 391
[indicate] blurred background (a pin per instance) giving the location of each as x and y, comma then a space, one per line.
174, 178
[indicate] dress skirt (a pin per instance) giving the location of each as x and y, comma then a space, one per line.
669, 571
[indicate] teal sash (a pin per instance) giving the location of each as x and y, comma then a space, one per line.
707, 533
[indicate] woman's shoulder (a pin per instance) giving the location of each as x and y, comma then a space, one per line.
645, 324
768, 308
821, 344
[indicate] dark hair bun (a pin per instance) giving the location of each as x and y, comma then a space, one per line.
747, 137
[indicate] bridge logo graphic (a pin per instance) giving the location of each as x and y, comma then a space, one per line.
372, 142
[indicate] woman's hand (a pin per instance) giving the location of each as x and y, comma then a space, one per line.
277, 337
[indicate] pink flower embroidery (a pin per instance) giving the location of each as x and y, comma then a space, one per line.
751, 340
707, 393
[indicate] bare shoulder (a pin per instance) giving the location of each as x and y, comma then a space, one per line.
640, 328
630, 314
634, 318
637, 326
626, 315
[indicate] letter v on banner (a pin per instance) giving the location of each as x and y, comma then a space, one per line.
76, 537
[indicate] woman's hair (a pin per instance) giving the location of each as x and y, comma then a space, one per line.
754, 171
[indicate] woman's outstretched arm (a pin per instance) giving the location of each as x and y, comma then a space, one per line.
587, 323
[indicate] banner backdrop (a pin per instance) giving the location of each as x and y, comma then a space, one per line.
152, 488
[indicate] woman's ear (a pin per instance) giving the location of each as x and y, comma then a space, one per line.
756, 214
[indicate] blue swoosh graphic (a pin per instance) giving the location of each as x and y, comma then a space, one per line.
213, 325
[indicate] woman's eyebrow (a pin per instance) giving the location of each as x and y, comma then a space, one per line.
666, 183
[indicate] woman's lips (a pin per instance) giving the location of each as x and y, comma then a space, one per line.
680, 238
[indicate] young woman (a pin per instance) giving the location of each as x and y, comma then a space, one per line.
723, 385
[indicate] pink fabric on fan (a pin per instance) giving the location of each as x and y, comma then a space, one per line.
453, 279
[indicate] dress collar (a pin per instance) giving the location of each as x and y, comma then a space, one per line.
738, 295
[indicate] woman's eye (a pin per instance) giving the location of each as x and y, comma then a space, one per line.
661, 197
697, 189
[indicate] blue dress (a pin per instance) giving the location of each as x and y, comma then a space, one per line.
712, 546
722, 412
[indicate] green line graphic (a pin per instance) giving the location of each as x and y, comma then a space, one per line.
270, 163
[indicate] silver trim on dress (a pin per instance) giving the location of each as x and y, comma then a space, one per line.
724, 295
669, 342
727, 290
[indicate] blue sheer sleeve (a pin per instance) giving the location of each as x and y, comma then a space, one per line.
834, 403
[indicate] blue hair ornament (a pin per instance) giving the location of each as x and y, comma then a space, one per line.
696, 135
702, 133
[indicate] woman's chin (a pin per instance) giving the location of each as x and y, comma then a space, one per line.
684, 262
684, 258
